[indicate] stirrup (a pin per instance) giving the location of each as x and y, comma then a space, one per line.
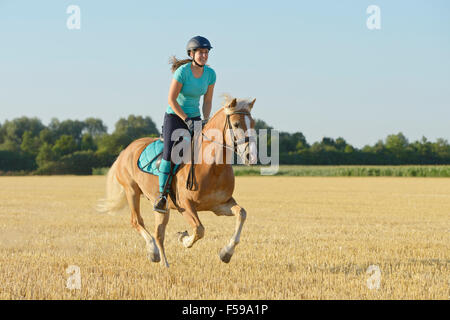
161, 204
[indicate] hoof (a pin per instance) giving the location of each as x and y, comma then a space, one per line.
181, 235
225, 256
154, 257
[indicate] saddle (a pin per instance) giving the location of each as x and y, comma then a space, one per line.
150, 160
150, 157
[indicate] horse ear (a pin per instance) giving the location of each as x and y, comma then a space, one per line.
251, 104
232, 104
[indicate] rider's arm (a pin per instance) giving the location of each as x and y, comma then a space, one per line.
174, 91
207, 101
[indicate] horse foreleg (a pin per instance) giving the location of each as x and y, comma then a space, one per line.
134, 198
191, 216
161, 220
231, 208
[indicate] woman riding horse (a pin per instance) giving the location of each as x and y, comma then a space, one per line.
230, 129
192, 79
126, 183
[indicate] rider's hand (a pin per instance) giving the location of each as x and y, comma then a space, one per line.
190, 124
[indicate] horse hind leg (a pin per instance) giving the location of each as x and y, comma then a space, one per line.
231, 208
133, 195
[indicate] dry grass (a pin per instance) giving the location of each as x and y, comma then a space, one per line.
305, 238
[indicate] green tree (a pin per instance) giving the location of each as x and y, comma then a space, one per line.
64, 145
95, 127
53, 125
316, 147
422, 151
135, 127
13, 130
341, 144
260, 124
301, 145
30, 144
45, 155
9, 145
300, 141
126, 131
16, 161
2, 134
327, 144
69, 127
113, 144
377, 148
46, 136
397, 146
290, 142
441, 149
396, 143
349, 149
87, 142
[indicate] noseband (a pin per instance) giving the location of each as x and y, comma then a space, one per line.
236, 142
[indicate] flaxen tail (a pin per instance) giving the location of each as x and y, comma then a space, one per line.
115, 194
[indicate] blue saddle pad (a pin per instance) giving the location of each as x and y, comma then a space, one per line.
148, 157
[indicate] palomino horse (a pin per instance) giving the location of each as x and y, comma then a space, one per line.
214, 182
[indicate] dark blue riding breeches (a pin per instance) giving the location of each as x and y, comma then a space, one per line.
171, 123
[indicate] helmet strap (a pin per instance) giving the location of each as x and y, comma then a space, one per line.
195, 62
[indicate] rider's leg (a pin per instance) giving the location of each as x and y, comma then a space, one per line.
171, 123
164, 171
165, 177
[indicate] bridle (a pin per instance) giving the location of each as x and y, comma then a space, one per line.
190, 182
236, 142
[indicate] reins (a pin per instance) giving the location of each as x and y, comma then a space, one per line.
190, 182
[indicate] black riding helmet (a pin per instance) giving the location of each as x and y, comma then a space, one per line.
198, 42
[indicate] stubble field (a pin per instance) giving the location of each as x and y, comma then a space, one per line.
304, 238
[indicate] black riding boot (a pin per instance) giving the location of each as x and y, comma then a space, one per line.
161, 203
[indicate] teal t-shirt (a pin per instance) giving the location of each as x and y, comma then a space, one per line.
193, 88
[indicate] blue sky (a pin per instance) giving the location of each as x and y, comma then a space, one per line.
313, 66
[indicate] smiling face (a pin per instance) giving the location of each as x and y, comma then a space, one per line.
243, 130
200, 55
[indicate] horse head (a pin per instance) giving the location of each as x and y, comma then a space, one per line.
240, 128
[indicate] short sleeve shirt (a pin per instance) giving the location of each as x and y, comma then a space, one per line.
193, 88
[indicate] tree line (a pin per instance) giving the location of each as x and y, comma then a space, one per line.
76, 147
395, 149
69, 146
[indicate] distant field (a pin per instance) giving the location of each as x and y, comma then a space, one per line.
350, 171
339, 171
320, 171
304, 238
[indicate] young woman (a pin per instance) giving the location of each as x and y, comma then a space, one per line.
192, 78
